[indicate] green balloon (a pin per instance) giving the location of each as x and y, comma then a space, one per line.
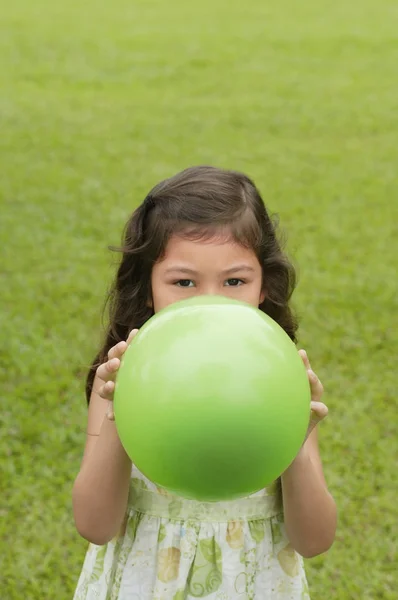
212, 400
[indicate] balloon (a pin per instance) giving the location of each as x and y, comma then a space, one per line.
212, 400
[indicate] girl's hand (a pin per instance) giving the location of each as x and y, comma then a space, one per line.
108, 370
319, 410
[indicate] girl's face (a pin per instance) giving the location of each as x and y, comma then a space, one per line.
218, 266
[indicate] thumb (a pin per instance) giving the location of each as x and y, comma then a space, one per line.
132, 335
109, 413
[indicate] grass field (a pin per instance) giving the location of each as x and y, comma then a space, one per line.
98, 102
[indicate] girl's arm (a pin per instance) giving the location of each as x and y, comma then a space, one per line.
310, 511
100, 491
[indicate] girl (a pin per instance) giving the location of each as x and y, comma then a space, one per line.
203, 231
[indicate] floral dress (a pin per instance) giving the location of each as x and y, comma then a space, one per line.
171, 548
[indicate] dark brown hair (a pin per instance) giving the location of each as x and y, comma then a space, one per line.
196, 202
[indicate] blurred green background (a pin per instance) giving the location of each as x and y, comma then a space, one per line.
98, 101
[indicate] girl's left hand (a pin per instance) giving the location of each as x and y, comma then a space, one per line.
319, 410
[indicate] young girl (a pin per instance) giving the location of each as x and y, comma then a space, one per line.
203, 231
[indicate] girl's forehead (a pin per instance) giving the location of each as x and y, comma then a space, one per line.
218, 246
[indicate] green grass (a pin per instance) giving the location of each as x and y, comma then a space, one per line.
98, 102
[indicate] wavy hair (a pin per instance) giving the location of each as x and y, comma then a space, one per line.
196, 203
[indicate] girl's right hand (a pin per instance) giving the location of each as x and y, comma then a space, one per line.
107, 372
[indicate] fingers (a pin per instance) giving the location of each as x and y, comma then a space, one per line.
107, 390
109, 413
120, 348
315, 383
132, 335
108, 370
305, 359
117, 351
316, 386
319, 411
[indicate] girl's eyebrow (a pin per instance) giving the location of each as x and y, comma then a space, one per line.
188, 271
239, 268
181, 269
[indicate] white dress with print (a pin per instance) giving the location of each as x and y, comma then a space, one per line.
176, 549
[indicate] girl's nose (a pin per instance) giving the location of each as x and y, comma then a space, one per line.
209, 290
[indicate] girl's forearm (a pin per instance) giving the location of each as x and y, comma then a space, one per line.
100, 492
310, 511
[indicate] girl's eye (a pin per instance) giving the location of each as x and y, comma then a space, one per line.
234, 282
185, 283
